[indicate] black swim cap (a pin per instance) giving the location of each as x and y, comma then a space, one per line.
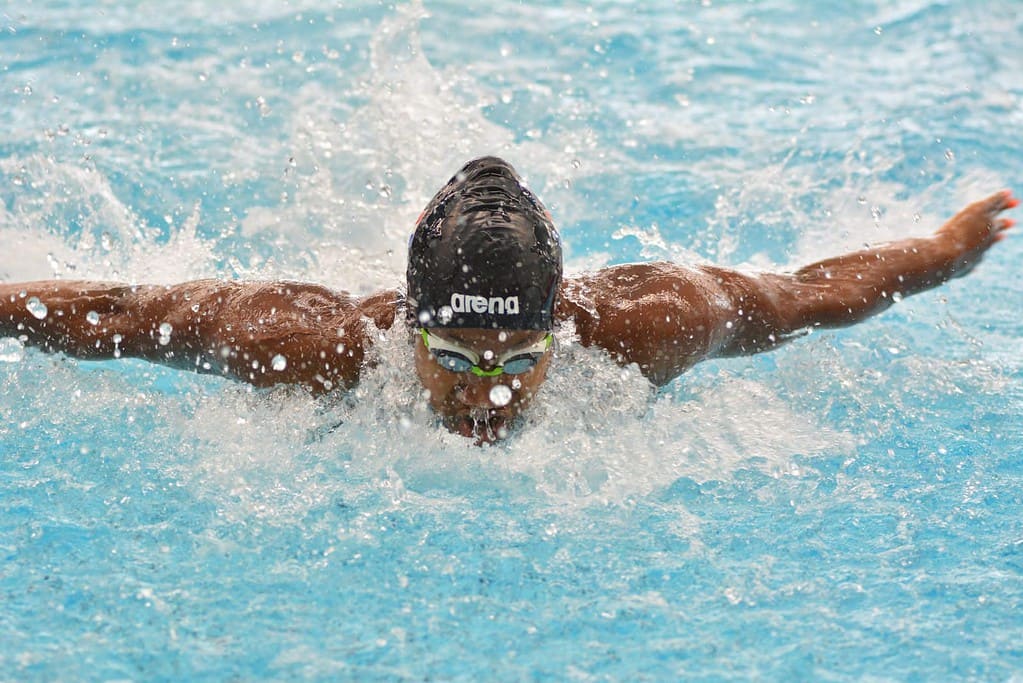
484, 254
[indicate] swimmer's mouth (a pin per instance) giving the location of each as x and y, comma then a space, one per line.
481, 424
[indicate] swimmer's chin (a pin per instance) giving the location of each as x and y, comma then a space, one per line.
483, 428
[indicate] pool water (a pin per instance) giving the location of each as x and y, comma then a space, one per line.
845, 508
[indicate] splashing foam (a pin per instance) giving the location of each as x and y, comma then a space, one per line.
616, 440
69, 223
358, 179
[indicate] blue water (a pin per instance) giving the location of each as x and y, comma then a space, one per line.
844, 509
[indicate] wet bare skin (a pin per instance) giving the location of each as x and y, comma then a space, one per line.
464, 400
664, 317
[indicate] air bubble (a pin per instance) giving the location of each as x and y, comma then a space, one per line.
445, 314
500, 395
36, 307
279, 362
92, 317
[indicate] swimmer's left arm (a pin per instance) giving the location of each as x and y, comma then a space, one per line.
847, 289
665, 317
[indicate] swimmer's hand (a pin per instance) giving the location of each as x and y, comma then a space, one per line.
973, 230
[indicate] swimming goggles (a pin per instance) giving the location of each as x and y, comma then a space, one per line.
459, 359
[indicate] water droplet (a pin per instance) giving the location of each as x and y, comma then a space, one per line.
11, 350
117, 349
950, 155
500, 395
165, 330
445, 314
279, 362
36, 307
92, 317
488, 355
896, 297
424, 317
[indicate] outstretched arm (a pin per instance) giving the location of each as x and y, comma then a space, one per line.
261, 333
667, 317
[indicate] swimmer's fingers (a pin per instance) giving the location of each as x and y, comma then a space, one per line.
977, 226
1001, 225
998, 202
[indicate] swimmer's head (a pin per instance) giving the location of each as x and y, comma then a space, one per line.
484, 254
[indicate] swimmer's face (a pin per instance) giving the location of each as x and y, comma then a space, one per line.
475, 406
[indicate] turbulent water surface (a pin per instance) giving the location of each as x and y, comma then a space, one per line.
845, 508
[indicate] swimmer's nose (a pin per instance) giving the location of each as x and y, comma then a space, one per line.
475, 394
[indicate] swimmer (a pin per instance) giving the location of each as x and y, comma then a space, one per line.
484, 293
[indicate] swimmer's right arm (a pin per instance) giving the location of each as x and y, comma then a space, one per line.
261, 333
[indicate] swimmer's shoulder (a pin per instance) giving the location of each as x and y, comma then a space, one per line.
622, 286
287, 306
